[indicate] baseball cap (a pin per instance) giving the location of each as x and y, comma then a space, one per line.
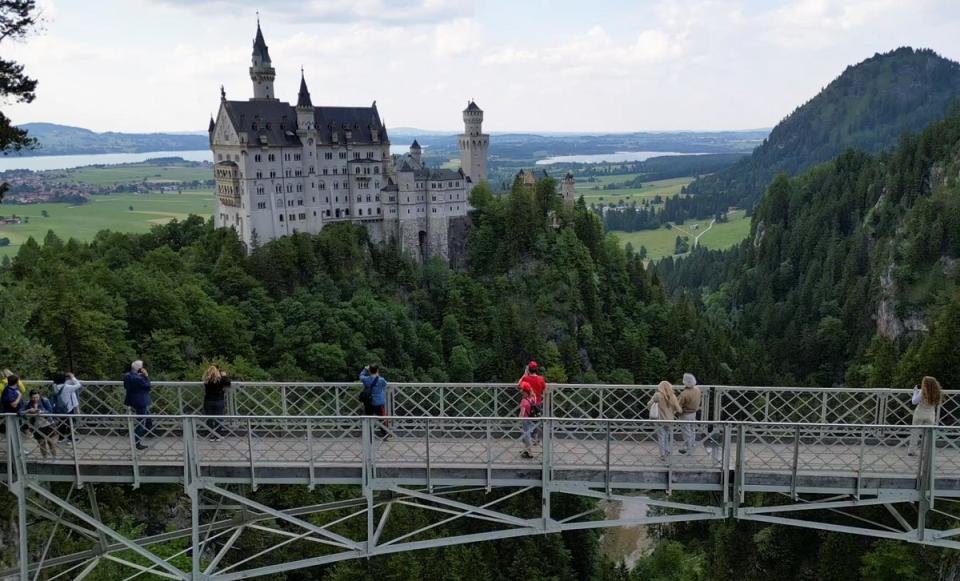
532, 365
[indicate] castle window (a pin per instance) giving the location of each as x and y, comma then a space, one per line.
334, 171
259, 175
257, 158
368, 197
279, 189
328, 155
296, 157
297, 173
358, 199
323, 186
286, 157
358, 170
261, 205
376, 169
273, 174
347, 211
356, 155
293, 217
299, 202
378, 211
260, 189
336, 185
303, 216
281, 217
369, 155
311, 170
360, 211
434, 210
220, 156
289, 188
314, 213
458, 184
271, 157
343, 155
328, 213
338, 212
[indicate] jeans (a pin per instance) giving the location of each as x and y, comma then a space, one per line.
144, 425
689, 431
370, 409
665, 439
214, 407
529, 429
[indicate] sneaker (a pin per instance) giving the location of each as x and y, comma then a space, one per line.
682, 450
141, 447
525, 454
215, 438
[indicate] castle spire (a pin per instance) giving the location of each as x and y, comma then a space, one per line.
212, 125
260, 45
303, 98
262, 72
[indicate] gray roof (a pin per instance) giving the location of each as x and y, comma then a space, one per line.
276, 122
260, 45
303, 98
472, 106
414, 145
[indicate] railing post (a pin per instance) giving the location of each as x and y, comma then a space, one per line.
606, 472
725, 468
718, 404
545, 478
310, 461
926, 482
426, 429
73, 449
253, 475
796, 463
283, 401
738, 475
19, 488
131, 429
368, 473
180, 410
705, 409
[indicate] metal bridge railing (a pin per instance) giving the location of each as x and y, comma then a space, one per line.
253, 446
721, 403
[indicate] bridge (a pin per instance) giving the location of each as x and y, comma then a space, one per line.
835, 459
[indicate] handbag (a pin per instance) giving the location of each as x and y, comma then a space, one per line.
654, 412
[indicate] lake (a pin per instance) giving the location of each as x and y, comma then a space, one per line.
618, 156
45, 162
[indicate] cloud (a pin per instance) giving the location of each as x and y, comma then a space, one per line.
457, 37
395, 12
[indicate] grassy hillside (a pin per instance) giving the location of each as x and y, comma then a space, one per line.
660, 243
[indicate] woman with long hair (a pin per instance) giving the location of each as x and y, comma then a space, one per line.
927, 398
668, 407
215, 383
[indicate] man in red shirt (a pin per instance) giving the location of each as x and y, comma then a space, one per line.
536, 382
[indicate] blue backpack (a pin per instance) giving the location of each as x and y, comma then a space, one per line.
58, 400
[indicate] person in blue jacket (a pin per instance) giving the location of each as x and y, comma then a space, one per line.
137, 385
374, 396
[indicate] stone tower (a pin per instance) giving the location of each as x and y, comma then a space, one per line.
474, 144
305, 118
569, 189
262, 72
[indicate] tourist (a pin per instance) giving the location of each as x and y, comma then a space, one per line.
65, 401
667, 408
10, 398
137, 385
374, 396
215, 383
532, 376
927, 397
691, 398
44, 430
529, 408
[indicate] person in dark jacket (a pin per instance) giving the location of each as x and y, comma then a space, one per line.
215, 383
376, 404
11, 398
137, 385
37, 411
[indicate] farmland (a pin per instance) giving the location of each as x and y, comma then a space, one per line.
660, 242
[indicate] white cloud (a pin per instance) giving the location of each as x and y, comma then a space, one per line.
338, 11
457, 37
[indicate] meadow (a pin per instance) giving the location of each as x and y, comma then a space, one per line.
661, 242
136, 172
103, 213
666, 188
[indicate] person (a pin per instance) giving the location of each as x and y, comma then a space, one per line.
691, 398
374, 396
137, 385
44, 429
668, 407
927, 397
215, 383
65, 401
532, 376
528, 407
10, 398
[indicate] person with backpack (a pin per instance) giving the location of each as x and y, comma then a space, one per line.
36, 410
215, 383
532, 375
136, 382
664, 406
63, 395
529, 409
374, 396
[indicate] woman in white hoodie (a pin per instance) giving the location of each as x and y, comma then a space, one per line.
63, 396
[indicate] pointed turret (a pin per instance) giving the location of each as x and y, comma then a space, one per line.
415, 152
303, 98
261, 72
212, 126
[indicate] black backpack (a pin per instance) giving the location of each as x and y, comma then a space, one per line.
366, 394
536, 410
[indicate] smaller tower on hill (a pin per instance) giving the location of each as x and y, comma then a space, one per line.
569, 189
474, 144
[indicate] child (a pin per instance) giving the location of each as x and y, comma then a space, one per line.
528, 410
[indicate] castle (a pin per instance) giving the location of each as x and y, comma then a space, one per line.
282, 169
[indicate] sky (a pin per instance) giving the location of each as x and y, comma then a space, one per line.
532, 65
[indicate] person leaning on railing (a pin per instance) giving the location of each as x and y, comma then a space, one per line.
137, 385
63, 395
927, 397
44, 429
374, 396
10, 398
664, 406
215, 383
691, 398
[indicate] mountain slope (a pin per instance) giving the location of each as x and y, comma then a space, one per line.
65, 140
851, 273
868, 107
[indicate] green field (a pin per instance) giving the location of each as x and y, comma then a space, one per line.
666, 188
134, 172
103, 213
661, 242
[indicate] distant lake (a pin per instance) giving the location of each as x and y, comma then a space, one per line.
45, 162
619, 156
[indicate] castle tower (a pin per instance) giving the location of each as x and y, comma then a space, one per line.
569, 189
262, 72
305, 119
415, 152
474, 144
